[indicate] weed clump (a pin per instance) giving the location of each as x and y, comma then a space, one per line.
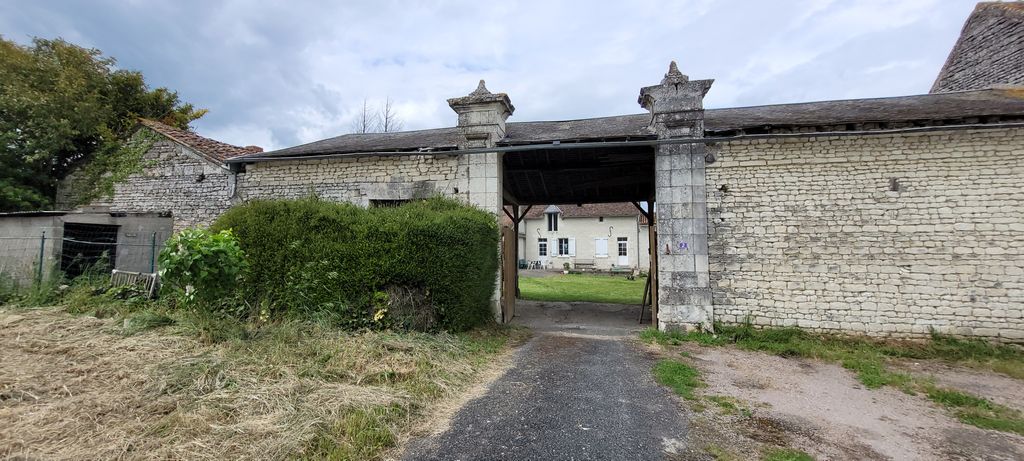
679, 377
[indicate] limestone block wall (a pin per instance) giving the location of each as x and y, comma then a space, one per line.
174, 179
356, 180
885, 235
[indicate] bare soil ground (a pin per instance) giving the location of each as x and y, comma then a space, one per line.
823, 410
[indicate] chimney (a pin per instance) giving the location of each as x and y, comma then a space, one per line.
482, 116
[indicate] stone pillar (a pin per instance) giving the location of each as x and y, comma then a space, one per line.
684, 287
482, 116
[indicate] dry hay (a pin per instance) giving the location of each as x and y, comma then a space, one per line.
72, 388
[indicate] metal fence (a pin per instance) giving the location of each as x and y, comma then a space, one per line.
73, 249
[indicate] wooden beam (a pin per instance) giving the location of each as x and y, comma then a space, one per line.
508, 196
522, 216
646, 213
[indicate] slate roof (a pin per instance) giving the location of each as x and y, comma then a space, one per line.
990, 49
588, 210
400, 141
918, 110
211, 148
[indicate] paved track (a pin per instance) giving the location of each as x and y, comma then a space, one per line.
567, 397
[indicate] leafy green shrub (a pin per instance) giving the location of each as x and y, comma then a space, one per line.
201, 268
309, 257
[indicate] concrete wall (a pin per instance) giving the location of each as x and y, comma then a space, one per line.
585, 231
135, 236
808, 232
20, 241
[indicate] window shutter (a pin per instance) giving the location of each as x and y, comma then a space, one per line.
600, 247
572, 247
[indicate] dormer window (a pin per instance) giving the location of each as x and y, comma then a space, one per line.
552, 222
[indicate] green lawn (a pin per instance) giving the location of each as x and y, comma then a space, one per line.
593, 288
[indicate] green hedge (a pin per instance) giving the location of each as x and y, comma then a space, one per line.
310, 257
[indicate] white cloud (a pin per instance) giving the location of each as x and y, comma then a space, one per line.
282, 73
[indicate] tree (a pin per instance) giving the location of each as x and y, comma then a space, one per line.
366, 120
62, 105
384, 120
389, 121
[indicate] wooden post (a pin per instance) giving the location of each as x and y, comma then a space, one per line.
515, 246
508, 262
653, 249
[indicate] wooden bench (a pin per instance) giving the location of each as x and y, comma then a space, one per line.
583, 264
142, 281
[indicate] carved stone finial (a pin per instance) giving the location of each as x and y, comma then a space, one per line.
673, 76
481, 89
675, 93
480, 101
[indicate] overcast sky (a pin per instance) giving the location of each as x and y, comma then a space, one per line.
281, 73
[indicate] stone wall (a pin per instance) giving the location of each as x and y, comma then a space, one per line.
196, 191
174, 179
885, 235
357, 180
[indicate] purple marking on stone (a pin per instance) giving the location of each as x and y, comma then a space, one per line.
683, 245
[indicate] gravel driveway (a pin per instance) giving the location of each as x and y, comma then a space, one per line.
567, 396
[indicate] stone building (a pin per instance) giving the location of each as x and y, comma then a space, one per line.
884, 216
183, 175
989, 50
594, 236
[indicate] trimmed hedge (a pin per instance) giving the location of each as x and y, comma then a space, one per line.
310, 258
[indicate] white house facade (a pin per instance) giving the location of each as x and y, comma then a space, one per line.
603, 236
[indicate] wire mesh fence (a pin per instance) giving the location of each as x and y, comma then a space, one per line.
72, 249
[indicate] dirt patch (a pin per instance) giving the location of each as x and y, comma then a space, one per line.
998, 388
822, 409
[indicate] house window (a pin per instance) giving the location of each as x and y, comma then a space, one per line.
601, 247
563, 247
552, 222
600, 219
542, 247
623, 245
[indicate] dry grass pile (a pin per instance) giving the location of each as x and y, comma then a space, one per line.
78, 387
